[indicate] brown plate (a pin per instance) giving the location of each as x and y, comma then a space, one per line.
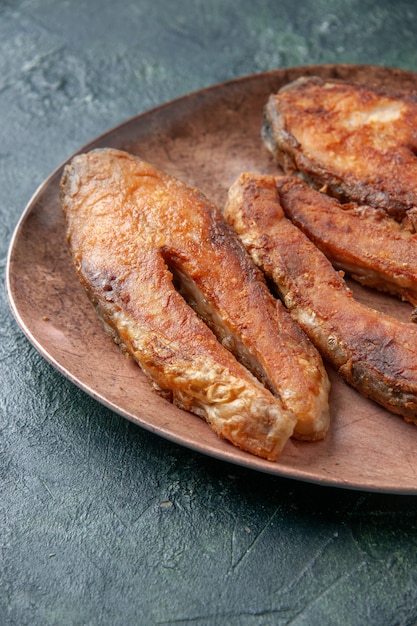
206, 138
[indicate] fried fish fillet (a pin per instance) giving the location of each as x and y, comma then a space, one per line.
358, 142
375, 353
142, 242
369, 246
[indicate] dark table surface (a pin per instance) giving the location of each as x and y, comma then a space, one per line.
102, 522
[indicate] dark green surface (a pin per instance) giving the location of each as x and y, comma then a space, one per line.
100, 521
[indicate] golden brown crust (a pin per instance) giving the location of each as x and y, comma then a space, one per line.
373, 352
365, 243
133, 232
357, 141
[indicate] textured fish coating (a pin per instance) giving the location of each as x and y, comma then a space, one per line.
372, 248
142, 242
358, 142
375, 353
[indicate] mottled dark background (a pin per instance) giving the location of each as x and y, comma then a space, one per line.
100, 521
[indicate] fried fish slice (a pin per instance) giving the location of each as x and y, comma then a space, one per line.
375, 353
138, 237
372, 248
359, 142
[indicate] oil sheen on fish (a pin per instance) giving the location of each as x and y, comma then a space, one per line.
375, 353
175, 288
365, 243
357, 142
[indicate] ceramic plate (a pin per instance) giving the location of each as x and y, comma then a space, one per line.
207, 139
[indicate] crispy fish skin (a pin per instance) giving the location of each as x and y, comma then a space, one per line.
358, 142
134, 232
373, 352
229, 292
369, 246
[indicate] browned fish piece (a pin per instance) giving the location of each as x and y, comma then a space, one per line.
375, 353
140, 237
358, 142
371, 247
